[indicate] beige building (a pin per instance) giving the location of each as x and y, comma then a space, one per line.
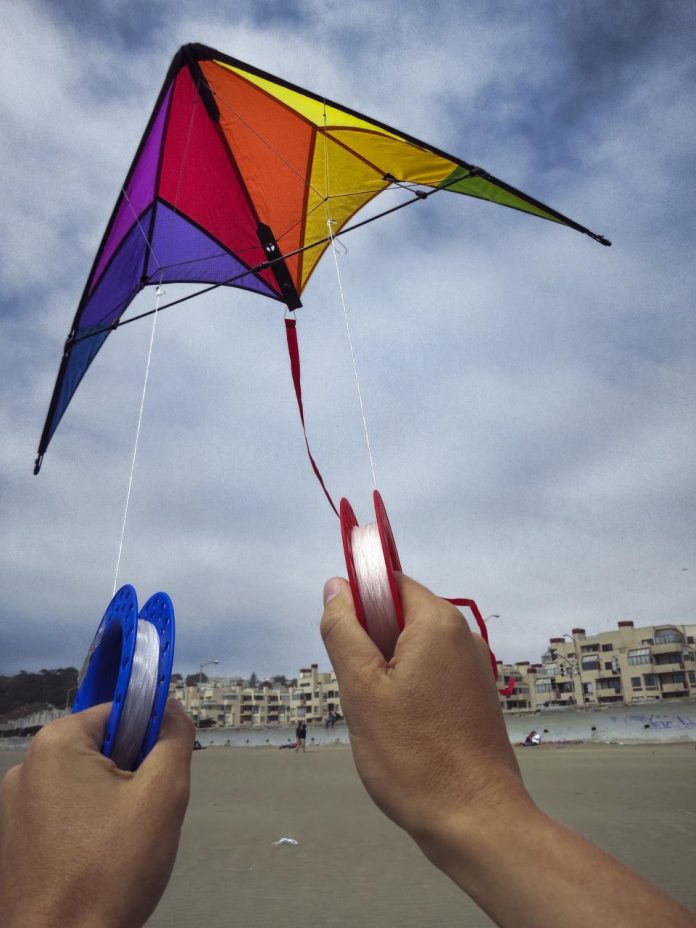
522, 698
315, 695
626, 665
222, 703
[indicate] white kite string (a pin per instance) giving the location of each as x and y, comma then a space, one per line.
373, 586
159, 293
329, 226
158, 296
137, 706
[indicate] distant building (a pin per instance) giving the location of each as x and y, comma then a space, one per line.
626, 665
224, 703
315, 695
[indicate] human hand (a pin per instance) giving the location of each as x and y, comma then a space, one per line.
82, 842
430, 745
426, 729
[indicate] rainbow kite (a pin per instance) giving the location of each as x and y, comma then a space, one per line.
242, 179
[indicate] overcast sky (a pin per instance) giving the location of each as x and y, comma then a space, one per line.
529, 393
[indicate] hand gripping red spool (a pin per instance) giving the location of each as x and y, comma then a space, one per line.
385, 628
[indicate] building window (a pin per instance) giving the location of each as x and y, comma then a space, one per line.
647, 641
650, 680
543, 686
639, 656
671, 658
608, 647
692, 677
590, 662
608, 665
667, 635
636, 683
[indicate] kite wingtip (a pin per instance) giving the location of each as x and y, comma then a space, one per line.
37, 463
602, 240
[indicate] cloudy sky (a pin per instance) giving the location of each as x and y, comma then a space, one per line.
529, 393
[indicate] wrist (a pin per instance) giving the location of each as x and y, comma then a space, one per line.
467, 843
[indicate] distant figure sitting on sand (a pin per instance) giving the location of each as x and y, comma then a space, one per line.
300, 736
532, 739
83, 843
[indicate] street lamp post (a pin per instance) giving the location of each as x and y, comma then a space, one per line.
200, 677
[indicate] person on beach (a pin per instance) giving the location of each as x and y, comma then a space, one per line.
532, 739
300, 736
85, 844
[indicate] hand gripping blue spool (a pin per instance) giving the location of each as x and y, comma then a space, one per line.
107, 673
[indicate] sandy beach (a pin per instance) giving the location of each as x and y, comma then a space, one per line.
352, 867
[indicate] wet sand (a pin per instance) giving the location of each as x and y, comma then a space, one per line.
352, 867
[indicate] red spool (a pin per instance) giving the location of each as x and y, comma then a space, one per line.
389, 552
392, 562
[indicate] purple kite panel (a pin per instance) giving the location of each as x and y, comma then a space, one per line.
121, 280
140, 191
182, 252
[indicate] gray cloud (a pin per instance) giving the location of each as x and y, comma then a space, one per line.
529, 393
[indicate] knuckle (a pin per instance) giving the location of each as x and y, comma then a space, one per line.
10, 780
48, 739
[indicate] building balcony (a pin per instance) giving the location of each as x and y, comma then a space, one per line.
668, 647
674, 688
668, 668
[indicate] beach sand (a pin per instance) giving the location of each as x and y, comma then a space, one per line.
353, 867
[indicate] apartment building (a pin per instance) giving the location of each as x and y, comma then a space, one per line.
627, 665
523, 696
222, 703
315, 695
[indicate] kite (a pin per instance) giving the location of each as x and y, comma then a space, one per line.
243, 179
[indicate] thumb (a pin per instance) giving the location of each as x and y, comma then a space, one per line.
349, 646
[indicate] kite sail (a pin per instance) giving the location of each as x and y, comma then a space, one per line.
242, 179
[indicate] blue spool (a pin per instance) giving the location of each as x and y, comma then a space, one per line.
106, 673
160, 611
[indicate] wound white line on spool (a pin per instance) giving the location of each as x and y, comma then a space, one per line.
371, 559
129, 664
139, 697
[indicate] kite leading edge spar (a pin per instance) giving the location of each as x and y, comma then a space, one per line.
236, 181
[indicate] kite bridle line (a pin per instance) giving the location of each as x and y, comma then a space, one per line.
264, 265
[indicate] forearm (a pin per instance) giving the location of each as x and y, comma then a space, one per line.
527, 871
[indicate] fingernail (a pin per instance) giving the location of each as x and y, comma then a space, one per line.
331, 588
